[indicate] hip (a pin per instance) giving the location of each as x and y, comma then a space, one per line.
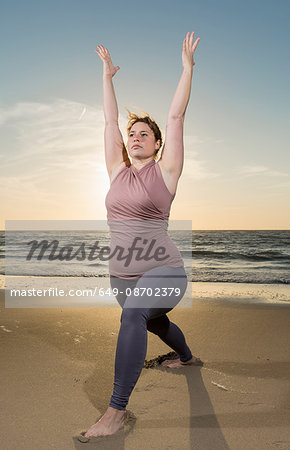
161, 284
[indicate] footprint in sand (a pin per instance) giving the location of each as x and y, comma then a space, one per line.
78, 339
5, 329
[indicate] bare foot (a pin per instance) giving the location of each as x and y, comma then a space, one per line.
174, 363
111, 422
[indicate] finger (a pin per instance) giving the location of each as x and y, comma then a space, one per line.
108, 54
187, 40
101, 58
195, 44
101, 55
191, 39
100, 49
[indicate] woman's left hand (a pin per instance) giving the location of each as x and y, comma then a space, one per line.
188, 50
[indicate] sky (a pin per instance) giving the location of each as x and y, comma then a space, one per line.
236, 171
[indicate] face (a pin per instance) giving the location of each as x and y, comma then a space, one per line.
141, 141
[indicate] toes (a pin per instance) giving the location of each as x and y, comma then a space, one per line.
164, 363
171, 364
167, 362
83, 438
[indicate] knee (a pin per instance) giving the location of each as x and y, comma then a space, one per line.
132, 315
159, 325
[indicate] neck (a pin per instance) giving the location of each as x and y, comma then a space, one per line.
138, 163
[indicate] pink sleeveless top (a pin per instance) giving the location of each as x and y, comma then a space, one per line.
138, 207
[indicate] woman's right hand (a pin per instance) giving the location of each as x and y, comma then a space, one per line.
109, 69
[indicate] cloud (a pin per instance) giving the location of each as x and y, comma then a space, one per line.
23, 110
197, 169
51, 154
196, 140
248, 171
44, 138
53, 151
285, 184
51, 133
193, 167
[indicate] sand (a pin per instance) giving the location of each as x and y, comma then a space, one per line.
57, 375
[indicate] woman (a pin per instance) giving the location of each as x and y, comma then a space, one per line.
138, 205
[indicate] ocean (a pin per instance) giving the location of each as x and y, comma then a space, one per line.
239, 256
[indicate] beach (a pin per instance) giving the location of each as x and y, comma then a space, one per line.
58, 367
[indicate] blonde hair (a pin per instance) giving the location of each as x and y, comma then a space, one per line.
133, 118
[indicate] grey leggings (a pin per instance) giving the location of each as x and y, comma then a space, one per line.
141, 313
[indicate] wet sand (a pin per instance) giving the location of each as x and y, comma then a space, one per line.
58, 366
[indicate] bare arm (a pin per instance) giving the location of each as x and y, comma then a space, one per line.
182, 94
173, 152
115, 151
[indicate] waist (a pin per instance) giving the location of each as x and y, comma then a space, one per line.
137, 226
132, 255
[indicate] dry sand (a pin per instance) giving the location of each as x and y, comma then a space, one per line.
57, 375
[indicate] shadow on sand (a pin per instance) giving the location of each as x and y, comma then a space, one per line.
200, 419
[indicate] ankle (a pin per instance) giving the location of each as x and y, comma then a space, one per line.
115, 412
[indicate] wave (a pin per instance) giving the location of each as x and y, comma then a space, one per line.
263, 256
191, 278
235, 280
17, 274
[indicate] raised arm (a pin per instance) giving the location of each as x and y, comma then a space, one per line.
173, 153
115, 150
